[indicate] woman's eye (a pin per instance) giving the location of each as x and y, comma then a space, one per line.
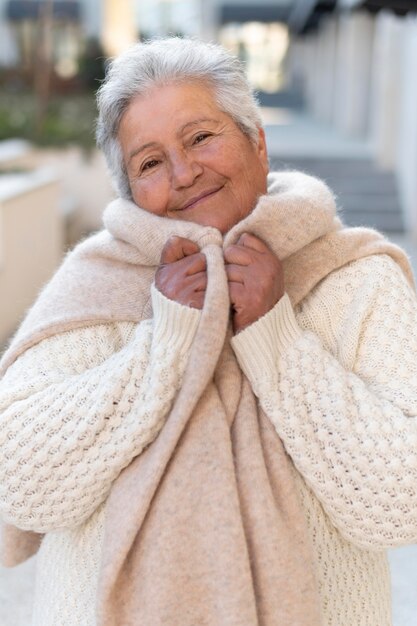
149, 164
199, 138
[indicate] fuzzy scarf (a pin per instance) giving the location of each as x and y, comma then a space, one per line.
205, 526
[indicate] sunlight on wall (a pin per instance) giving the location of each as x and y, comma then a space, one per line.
262, 47
119, 26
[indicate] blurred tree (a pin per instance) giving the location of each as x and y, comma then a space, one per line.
92, 64
43, 67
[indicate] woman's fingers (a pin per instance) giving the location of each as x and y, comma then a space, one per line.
182, 274
237, 255
194, 264
241, 253
198, 282
254, 275
255, 279
247, 240
235, 273
236, 291
177, 248
189, 291
185, 254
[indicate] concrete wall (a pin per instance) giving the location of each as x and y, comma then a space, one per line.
58, 197
85, 187
84, 184
31, 244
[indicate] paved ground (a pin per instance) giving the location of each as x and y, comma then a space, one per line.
16, 589
403, 562
293, 133
289, 135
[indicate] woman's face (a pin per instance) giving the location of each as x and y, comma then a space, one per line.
188, 160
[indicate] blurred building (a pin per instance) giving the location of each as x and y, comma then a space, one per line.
74, 21
351, 62
356, 62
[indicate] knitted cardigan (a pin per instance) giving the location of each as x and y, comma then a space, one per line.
281, 333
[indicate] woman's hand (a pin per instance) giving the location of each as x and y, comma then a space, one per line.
256, 280
182, 274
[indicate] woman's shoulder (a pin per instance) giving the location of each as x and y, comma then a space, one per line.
369, 290
374, 272
379, 266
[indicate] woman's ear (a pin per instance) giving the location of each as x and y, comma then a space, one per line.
262, 150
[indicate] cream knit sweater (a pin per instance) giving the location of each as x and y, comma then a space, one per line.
337, 376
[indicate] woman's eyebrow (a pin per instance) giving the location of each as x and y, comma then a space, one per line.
200, 120
182, 128
136, 151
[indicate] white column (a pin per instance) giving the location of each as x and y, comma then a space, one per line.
326, 70
308, 52
406, 154
209, 20
354, 56
385, 101
295, 63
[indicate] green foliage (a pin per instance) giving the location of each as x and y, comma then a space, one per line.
91, 65
69, 119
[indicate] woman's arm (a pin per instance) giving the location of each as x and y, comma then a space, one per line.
79, 406
352, 433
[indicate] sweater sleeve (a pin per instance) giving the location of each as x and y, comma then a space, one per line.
351, 432
78, 407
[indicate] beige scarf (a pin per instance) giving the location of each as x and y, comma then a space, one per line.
204, 527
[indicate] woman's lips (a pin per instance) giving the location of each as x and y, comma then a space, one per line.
202, 196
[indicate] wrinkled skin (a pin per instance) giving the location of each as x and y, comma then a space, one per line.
181, 275
254, 274
255, 278
188, 160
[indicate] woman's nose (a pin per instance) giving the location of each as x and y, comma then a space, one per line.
184, 170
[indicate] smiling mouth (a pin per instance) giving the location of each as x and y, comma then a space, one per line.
194, 201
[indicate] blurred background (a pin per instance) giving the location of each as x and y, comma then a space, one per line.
337, 82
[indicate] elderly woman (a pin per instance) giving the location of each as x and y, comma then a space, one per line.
207, 418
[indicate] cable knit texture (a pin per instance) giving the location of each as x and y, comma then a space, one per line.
306, 367
93, 408
347, 421
341, 452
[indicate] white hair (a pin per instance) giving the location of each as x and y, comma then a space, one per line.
169, 61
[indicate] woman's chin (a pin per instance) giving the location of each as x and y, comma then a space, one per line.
210, 221
209, 217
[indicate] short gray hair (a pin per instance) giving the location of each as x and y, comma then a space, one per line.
167, 61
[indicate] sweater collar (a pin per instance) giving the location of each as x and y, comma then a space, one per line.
287, 219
